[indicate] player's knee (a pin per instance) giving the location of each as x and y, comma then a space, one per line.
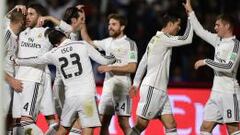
170, 124
206, 127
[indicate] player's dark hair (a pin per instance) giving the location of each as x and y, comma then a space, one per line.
39, 9
229, 19
17, 16
55, 36
70, 13
169, 18
122, 19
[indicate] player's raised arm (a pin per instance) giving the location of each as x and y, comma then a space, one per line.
211, 38
172, 41
83, 28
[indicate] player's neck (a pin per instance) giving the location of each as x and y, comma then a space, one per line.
228, 35
119, 36
15, 29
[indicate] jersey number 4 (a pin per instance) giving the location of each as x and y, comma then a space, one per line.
75, 61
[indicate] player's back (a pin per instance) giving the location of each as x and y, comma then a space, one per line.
73, 62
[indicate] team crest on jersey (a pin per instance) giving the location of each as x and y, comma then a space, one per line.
39, 35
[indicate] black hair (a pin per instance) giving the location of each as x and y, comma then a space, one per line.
70, 13
54, 36
39, 9
169, 18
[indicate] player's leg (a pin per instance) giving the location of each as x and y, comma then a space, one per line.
212, 114
233, 128
146, 109
62, 130
123, 110
31, 98
169, 124
88, 114
232, 113
76, 128
122, 104
106, 111
167, 118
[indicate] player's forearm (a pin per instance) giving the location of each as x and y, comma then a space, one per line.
85, 36
121, 70
226, 67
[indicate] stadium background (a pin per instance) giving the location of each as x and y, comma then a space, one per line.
188, 88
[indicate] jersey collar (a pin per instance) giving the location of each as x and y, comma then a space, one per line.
229, 38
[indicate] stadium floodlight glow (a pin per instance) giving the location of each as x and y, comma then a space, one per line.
2, 12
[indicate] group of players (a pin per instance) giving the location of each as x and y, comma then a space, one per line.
33, 40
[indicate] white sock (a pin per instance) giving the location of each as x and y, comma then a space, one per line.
236, 133
134, 131
30, 128
52, 130
75, 131
205, 133
172, 131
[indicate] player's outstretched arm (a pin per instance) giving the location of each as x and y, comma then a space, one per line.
211, 38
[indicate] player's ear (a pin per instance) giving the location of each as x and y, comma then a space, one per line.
73, 20
122, 27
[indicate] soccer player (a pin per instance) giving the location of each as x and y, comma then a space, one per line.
223, 104
72, 59
115, 94
154, 102
70, 26
13, 28
32, 42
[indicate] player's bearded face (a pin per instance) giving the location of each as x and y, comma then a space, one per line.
32, 17
114, 28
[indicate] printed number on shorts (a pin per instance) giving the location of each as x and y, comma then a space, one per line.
229, 113
118, 107
26, 106
65, 63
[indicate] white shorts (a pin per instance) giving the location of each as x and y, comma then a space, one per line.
85, 107
47, 106
59, 96
115, 98
153, 103
30, 99
222, 108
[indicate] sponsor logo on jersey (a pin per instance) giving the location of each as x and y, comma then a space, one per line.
27, 44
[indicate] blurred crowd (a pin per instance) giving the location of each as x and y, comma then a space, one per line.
144, 19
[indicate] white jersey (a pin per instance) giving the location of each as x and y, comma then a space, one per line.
157, 58
226, 58
10, 45
72, 60
32, 43
125, 51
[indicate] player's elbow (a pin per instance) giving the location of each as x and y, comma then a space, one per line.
132, 67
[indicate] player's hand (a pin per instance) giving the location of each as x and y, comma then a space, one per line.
199, 64
41, 21
16, 84
132, 91
188, 6
21, 8
103, 69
